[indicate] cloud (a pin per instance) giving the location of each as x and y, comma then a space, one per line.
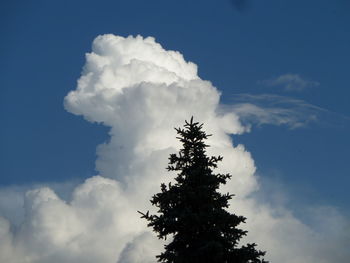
141, 249
262, 109
142, 91
290, 82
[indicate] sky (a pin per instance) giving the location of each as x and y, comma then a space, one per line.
268, 78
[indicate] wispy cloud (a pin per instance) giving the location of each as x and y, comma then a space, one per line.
273, 109
290, 82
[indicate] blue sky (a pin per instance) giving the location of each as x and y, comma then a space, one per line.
238, 50
281, 66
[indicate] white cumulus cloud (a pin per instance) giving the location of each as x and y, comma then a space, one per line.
142, 91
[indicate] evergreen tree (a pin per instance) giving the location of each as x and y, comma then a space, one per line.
193, 212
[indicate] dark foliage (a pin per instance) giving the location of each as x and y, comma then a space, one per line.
192, 211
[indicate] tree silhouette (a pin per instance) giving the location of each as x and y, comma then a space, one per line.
194, 213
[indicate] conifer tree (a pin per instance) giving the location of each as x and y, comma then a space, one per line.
193, 212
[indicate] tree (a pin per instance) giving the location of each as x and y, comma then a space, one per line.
194, 213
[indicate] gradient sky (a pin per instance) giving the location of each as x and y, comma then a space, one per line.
241, 49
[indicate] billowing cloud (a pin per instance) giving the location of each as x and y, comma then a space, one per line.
142, 91
290, 82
